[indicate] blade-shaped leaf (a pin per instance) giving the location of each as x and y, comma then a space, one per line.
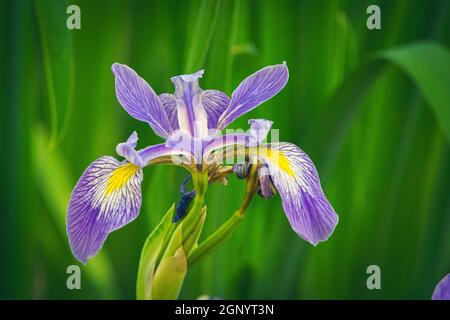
149, 256
428, 66
57, 62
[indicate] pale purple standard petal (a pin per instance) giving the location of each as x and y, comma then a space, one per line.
215, 102
139, 100
191, 114
310, 214
254, 90
106, 197
442, 291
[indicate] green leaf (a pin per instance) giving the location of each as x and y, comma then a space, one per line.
51, 174
58, 64
192, 241
169, 276
203, 18
149, 256
428, 66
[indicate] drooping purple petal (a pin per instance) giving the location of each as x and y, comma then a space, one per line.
254, 90
310, 214
442, 291
139, 100
191, 114
106, 197
215, 102
170, 107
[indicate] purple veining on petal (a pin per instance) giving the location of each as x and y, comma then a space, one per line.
97, 208
215, 102
139, 100
170, 107
442, 290
295, 178
254, 90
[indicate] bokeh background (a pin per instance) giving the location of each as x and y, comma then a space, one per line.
370, 107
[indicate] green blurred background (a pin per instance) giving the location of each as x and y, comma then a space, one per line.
370, 107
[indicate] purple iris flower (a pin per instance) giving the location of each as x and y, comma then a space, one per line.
108, 194
442, 291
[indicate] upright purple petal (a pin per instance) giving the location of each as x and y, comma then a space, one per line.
106, 197
442, 291
191, 114
254, 90
260, 128
170, 107
128, 150
139, 100
310, 214
215, 102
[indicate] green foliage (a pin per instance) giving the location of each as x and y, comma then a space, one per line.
370, 107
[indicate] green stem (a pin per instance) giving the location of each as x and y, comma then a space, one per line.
189, 224
225, 230
200, 182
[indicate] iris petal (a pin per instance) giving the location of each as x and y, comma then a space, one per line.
128, 151
139, 100
106, 197
170, 107
442, 291
259, 129
191, 114
215, 102
254, 90
310, 214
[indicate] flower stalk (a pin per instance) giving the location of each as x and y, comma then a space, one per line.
225, 230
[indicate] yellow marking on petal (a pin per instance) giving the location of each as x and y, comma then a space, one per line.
280, 159
120, 176
277, 157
